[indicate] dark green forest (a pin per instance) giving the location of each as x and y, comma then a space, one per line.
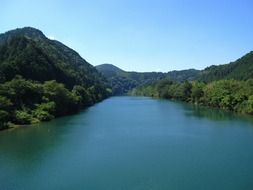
241, 69
41, 79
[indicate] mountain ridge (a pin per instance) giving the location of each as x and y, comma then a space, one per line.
123, 81
41, 79
74, 69
240, 69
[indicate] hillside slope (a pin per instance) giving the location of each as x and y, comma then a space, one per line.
241, 69
123, 81
29, 53
41, 79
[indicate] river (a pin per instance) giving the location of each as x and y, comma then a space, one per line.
131, 143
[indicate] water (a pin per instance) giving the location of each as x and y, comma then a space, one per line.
131, 143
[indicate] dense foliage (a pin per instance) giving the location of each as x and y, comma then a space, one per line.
27, 52
241, 69
228, 87
41, 79
24, 101
230, 95
123, 81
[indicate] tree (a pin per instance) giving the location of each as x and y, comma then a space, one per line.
187, 90
83, 94
197, 92
4, 117
65, 101
44, 111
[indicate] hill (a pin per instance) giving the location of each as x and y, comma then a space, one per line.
110, 70
42, 78
241, 69
123, 81
228, 87
27, 52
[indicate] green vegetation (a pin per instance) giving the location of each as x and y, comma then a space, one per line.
230, 95
228, 87
25, 102
122, 81
27, 52
241, 69
41, 79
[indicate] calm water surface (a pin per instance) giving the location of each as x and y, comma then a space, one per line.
131, 143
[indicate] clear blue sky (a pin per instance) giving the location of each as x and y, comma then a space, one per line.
141, 35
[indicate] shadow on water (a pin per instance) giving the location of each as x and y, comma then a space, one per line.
27, 144
214, 114
203, 112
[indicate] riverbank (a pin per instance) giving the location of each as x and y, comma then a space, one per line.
24, 102
230, 95
12, 126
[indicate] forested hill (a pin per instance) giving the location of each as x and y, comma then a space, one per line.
110, 70
228, 87
241, 69
27, 52
41, 78
123, 81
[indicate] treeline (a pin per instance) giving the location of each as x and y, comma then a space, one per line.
26, 102
122, 81
241, 69
230, 95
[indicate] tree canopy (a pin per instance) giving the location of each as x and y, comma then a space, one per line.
230, 95
41, 79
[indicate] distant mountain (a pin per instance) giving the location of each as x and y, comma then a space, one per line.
123, 81
241, 69
119, 80
29, 53
110, 70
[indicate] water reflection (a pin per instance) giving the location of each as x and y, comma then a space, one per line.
214, 114
34, 141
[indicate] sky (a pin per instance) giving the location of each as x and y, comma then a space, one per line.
141, 35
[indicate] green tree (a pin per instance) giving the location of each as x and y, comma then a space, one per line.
44, 111
197, 92
83, 94
65, 101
